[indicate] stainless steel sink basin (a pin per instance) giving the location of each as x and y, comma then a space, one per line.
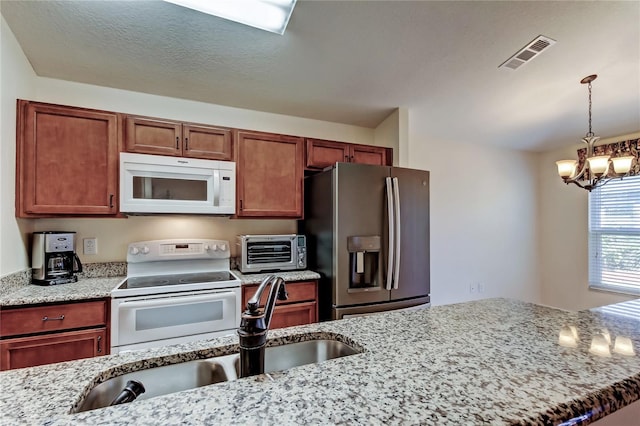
192, 374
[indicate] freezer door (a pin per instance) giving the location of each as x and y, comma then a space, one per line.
360, 222
358, 311
414, 264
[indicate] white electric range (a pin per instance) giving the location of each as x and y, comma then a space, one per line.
176, 291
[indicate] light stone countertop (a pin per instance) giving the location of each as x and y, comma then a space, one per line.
23, 293
494, 361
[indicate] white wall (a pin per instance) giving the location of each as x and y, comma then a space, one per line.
20, 81
483, 218
564, 236
17, 78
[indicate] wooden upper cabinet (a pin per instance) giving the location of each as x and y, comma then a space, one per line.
209, 142
269, 175
67, 161
151, 136
365, 154
147, 135
321, 154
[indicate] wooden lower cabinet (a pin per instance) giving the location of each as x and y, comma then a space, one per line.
294, 314
54, 332
38, 350
300, 308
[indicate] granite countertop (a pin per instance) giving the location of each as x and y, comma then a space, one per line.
494, 361
23, 293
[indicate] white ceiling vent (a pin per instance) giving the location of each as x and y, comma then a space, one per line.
527, 53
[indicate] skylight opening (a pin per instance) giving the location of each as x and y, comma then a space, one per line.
268, 15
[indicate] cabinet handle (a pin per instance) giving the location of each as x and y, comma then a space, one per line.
110, 201
186, 143
99, 344
60, 318
177, 142
346, 158
351, 159
240, 204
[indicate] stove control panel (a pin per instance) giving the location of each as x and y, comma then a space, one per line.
193, 249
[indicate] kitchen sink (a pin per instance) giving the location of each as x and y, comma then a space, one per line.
192, 374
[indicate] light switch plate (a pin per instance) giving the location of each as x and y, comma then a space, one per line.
90, 245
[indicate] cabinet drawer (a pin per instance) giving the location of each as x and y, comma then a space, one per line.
297, 291
52, 317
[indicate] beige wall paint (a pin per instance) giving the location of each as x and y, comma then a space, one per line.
115, 234
483, 220
393, 132
563, 214
19, 81
17, 78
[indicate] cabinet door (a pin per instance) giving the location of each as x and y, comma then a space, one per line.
38, 350
366, 154
321, 154
213, 143
67, 161
294, 314
153, 136
270, 173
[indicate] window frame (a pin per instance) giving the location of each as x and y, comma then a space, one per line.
618, 228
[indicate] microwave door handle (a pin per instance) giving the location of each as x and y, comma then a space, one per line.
396, 199
391, 230
216, 187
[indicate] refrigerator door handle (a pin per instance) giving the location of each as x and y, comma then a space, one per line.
396, 199
391, 227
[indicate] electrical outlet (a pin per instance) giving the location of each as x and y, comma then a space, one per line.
472, 288
90, 245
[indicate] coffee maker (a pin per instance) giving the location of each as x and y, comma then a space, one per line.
53, 258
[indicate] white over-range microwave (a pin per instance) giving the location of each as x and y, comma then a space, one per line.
161, 184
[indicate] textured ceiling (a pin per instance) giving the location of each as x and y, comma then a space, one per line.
356, 61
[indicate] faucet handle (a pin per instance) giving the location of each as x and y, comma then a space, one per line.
282, 292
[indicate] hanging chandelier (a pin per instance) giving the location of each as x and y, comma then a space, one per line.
596, 170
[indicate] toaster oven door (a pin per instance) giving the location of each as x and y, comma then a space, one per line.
269, 253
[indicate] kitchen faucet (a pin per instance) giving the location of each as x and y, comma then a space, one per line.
254, 325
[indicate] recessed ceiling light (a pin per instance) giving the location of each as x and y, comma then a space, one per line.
268, 15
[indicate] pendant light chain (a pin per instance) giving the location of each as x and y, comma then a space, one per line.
590, 132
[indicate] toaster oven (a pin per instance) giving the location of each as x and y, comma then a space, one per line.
261, 253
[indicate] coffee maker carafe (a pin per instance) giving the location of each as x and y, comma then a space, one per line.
53, 258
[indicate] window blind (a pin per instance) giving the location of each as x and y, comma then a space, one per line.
614, 236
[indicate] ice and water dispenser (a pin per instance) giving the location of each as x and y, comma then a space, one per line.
364, 258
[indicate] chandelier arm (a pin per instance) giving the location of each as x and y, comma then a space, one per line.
575, 182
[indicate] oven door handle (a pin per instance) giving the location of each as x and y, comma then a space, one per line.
161, 301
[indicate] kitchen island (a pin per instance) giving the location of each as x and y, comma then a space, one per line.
494, 361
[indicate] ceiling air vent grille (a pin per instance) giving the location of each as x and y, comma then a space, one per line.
527, 53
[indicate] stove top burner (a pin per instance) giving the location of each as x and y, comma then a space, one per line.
176, 279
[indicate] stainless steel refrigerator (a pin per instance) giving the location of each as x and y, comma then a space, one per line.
367, 231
